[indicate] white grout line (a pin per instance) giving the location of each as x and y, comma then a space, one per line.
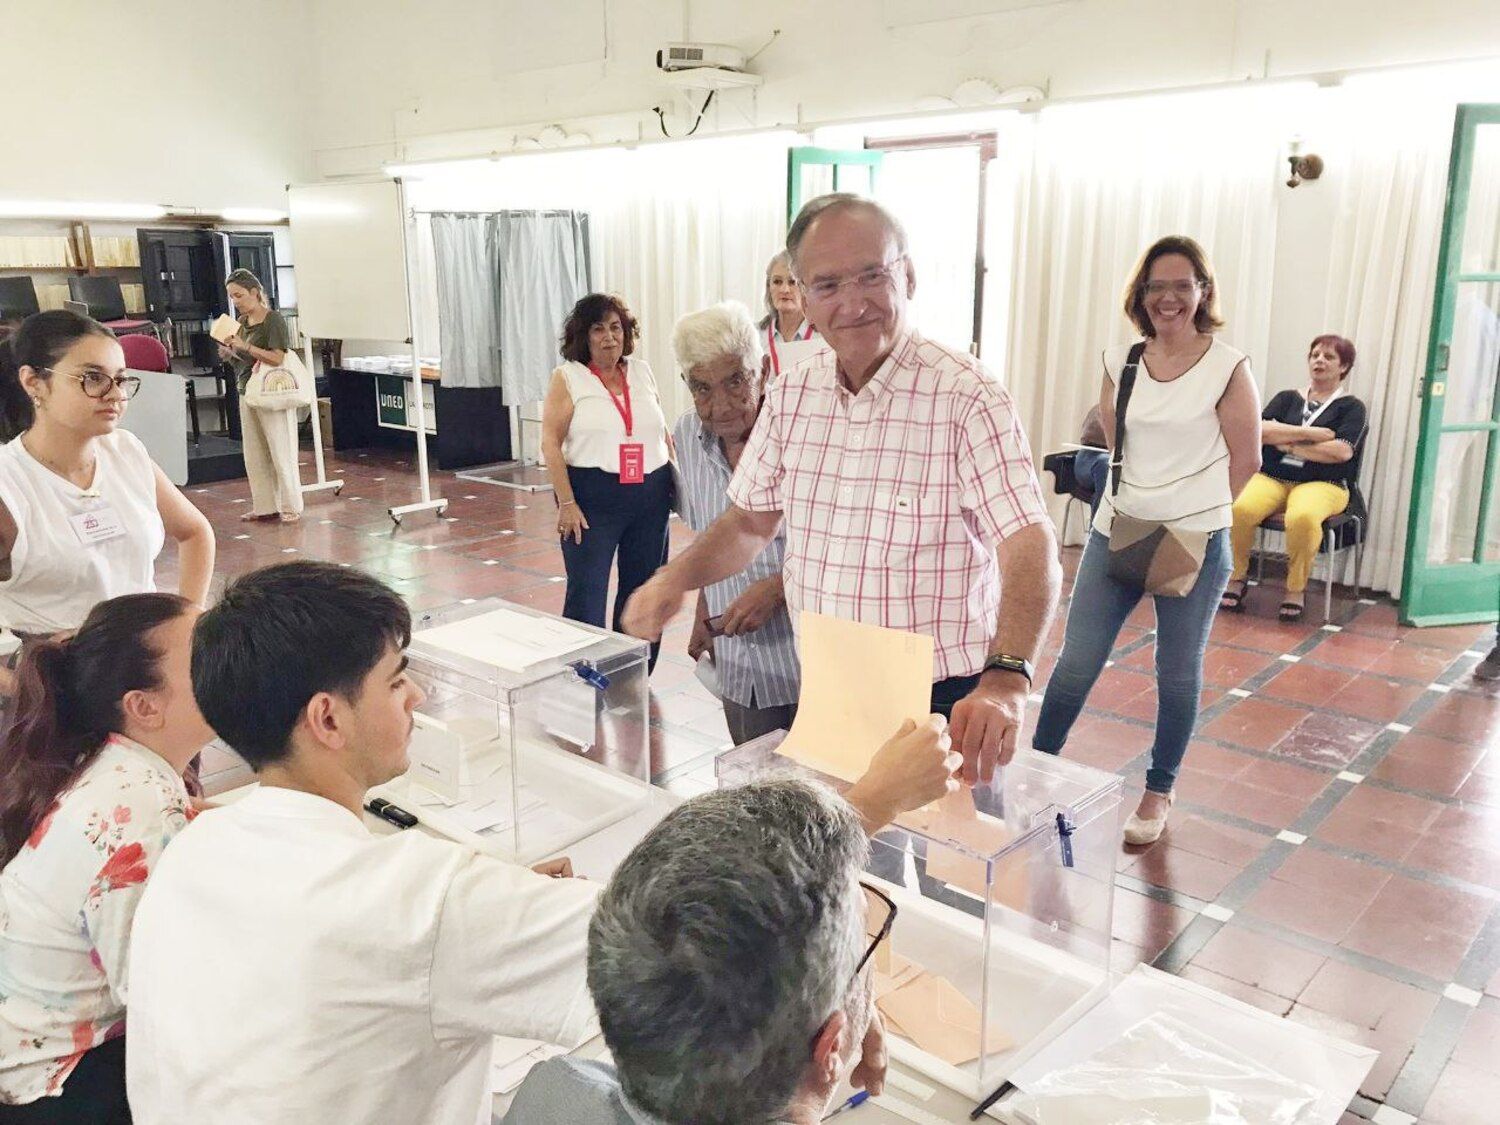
557, 578
289, 550
1386, 1115
1399, 728
1290, 658
1216, 912
1475, 652
1333, 628
467, 601
1463, 995
242, 537
1287, 836
1368, 601
1347, 775
491, 562
1441, 689
1240, 693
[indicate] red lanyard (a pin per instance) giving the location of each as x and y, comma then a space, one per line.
797, 337
627, 415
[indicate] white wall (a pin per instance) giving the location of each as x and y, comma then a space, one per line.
394, 84
160, 101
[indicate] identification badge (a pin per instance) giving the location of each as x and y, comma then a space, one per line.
98, 526
632, 463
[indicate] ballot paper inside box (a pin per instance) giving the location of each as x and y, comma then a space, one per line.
533, 733
1005, 898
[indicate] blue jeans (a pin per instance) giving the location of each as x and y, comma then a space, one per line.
1100, 606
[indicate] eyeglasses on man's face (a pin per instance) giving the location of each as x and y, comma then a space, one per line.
97, 383
872, 280
880, 916
735, 387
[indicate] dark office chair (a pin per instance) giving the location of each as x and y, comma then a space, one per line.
106, 304
1066, 482
17, 298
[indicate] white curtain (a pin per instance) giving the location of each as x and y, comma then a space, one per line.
673, 227
468, 299
1078, 192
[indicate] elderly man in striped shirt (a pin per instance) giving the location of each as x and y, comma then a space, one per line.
905, 484
741, 623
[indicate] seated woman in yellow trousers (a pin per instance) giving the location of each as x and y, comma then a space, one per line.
1309, 457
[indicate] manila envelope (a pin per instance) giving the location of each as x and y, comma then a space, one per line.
938, 1018
955, 818
859, 684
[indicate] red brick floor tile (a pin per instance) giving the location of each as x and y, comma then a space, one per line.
1272, 966
1424, 763
1481, 789
1328, 740
1223, 842
1374, 697
1394, 1050
1269, 636
1228, 986
1479, 1045
1251, 802
1419, 926
1462, 717
1317, 894
1461, 1095
1164, 865
1101, 729
1369, 1000
1351, 650
1378, 822
1146, 923
1308, 684
1409, 660
1452, 638
1230, 667
1286, 778
1258, 724
1217, 761
1119, 685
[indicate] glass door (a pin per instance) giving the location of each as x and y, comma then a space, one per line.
1452, 571
811, 172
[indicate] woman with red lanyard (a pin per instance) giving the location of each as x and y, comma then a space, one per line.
790, 336
607, 450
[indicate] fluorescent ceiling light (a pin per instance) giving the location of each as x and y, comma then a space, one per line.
74, 209
252, 215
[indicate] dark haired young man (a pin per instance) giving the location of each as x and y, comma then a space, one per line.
289, 966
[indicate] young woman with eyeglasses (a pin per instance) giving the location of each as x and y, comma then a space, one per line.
84, 511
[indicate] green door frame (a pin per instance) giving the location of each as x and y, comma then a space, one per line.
1451, 593
797, 158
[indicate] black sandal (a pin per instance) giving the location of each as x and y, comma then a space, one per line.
1233, 599
1290, 612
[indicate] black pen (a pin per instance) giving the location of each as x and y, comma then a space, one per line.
1005, 1088
391, 814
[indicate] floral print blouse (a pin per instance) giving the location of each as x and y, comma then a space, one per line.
66, 905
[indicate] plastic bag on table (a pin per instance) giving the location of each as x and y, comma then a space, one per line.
1164, 1072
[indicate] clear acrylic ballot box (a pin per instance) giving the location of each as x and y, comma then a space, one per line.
1005, 901
534, 731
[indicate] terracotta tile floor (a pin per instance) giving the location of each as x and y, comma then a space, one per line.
1347, 814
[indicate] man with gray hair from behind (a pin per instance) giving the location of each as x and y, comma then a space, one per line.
730, 956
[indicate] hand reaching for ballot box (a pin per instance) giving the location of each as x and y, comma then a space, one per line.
913, 768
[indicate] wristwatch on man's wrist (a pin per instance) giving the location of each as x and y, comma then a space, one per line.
1004, 662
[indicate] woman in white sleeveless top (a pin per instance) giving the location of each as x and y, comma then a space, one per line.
83, 509
608, 453
1192, 441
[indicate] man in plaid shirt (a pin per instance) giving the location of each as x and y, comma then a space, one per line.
905, 482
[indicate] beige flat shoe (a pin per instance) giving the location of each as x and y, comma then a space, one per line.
1140, 830
290, 517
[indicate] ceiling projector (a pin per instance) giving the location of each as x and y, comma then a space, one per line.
690, 56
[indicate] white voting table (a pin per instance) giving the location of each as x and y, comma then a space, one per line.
918, 1099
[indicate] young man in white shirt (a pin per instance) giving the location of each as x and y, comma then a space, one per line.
288, 966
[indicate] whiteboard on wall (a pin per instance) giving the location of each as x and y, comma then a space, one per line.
350, 242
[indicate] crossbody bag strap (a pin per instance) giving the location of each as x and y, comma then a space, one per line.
1122, 402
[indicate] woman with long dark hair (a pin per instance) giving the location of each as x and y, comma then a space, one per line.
91, 791
84, 511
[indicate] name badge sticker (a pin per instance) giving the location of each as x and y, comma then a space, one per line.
99, 525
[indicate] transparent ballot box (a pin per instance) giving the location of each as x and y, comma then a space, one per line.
1004, 900
533, 734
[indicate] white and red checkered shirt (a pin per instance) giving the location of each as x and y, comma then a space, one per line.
893, 499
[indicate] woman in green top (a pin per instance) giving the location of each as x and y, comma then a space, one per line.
269, 438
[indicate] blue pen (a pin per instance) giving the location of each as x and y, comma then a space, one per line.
857, 1099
